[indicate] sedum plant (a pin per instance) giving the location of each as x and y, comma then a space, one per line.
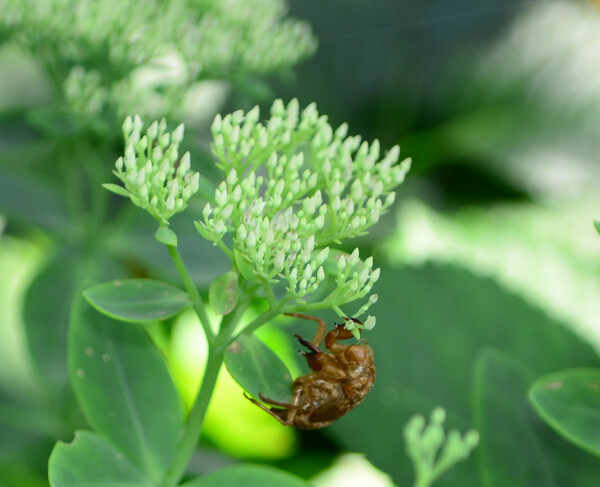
431, 452
293, 188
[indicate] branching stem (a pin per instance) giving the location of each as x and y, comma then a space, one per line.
191, 289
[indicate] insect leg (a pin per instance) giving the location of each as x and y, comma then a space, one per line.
321, 330
277, 403
285, 422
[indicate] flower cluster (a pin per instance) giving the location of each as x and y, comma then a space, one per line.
155, 178
84, 93
211, 39
293, 186
423, 443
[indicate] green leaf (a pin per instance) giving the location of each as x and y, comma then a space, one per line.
222, 294
433, 321
244, 266
248, 476
597, 225
26, 197
46, 318
569, 401
510, 451
123, 388
257, 369
115, 188
166, 236
137, 300
28, 428
92, 461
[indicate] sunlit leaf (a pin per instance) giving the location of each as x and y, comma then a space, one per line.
519, 246
137, 299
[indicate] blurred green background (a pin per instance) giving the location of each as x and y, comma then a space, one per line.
490, 261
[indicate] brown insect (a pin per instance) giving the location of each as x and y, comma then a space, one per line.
339, 382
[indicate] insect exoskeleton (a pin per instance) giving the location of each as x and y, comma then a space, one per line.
340, 379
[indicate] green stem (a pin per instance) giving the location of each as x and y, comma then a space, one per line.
193, 427
269, 293
423, 480
260, 320
190, 287
226, 250
327, 304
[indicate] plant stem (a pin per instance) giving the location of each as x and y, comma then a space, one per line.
260, 320
422, 481
193, 427
191, 289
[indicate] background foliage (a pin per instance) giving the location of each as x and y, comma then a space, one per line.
490, 262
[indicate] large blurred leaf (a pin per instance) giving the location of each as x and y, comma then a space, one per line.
518, 449
432, 322
46, 314
257, 369
138, 300
519, 245
248, 476
569, 401
92, 461
124, 389
510, 453
26, 429
27, 198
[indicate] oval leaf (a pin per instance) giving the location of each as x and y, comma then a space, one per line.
569, 401
257, 369
244, 266
166, 236
137, 300
248, 476
92, 461
222, 294
124, 389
